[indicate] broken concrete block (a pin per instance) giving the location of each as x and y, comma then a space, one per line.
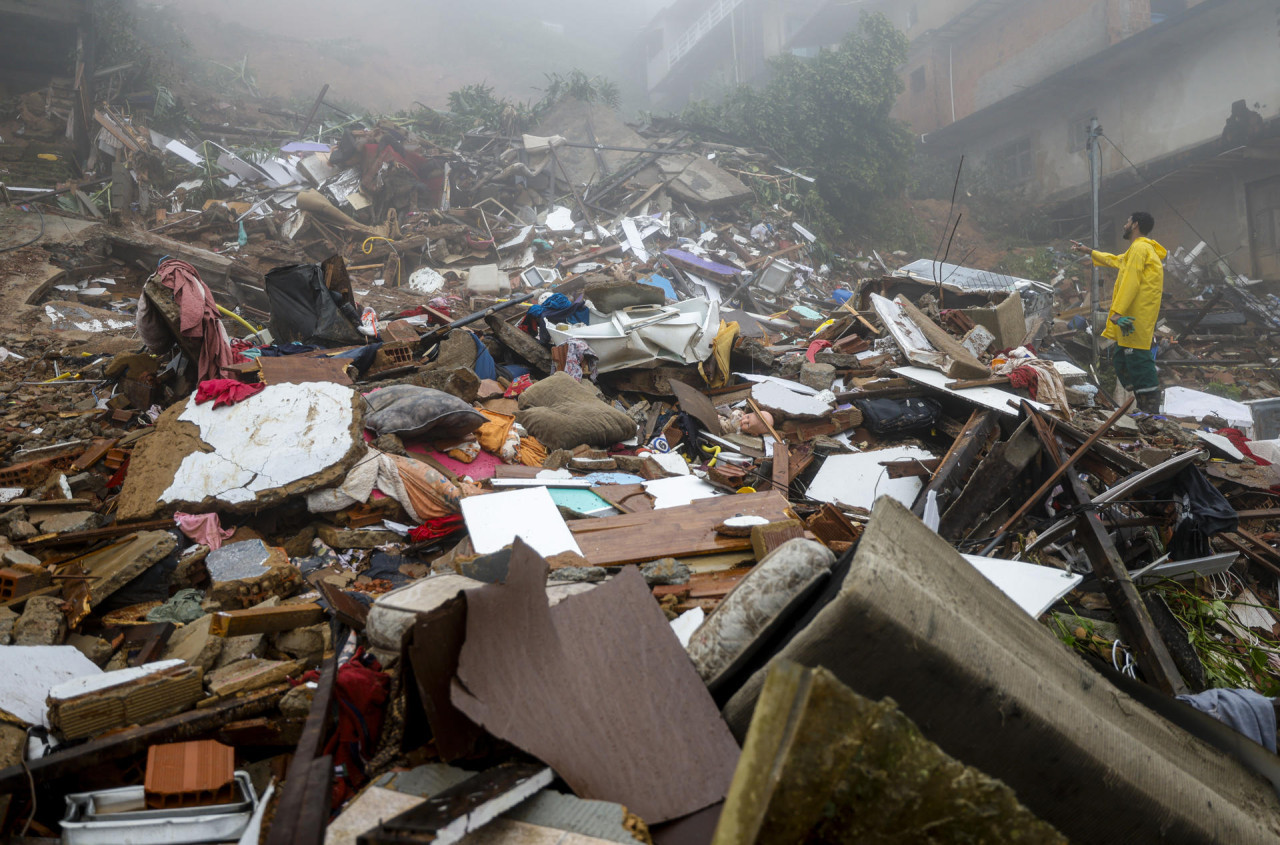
277, 582
307, 645
235, 649
42, 622
95, 648
118, 564
21, 530
69, 521
195, 644
7, 620
17, 557
296, 703
288, 439
13, 743
355, 538
247, 559
930, 631
666, 571
248, 675
823, 764
395, 612
579, 574
818, 376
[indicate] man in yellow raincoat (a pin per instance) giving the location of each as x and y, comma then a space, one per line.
1135, 305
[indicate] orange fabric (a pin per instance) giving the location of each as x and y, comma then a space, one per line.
494, 432
431, 494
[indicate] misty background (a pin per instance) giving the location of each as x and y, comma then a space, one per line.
389, 54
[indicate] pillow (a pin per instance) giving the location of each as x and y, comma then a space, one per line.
412, 411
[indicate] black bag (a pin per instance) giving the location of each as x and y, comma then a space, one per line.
895, 416
303, 310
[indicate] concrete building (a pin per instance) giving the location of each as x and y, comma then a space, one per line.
1015, 93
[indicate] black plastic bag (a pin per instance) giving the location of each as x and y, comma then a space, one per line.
303, 310
894, 416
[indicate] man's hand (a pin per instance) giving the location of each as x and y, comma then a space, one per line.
1081, 248
1125, 324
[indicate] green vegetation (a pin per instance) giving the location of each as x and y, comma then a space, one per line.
830, 117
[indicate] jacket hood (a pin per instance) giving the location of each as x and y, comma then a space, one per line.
1160, 250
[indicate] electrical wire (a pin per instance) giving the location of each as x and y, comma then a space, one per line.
1152, 186
33, 240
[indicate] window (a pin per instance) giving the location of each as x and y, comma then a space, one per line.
1013, 163
919, 81
1078, 132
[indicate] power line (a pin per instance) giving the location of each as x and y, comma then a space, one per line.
1172, 207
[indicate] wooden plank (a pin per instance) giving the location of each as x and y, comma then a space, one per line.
766, 538
673, 532
298, 790
991, 483
959, 460
1136, 626
1250, 553
266, 620
73, 538
781, 478
628, 498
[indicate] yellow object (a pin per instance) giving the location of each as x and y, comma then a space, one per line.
822, 328
714, 452
1139, 287
720, 349
367, 249
746, 489
234, 316
47, 157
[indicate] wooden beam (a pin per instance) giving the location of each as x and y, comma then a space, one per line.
266, 620
960, 458
991, 483
1132, 616
303, 786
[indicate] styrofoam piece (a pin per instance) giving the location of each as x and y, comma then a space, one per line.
672, 462
494, 520
988, 397
487, 279
426, 280
793, 386
856, 481
1222, 444
772, 396
560, 219
686, 623
678, 491
1268, 450
1032, 587
30, 671
1196, 404
284, 434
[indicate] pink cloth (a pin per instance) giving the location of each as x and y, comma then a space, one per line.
198, 317
204, 528
226, 391
814, 348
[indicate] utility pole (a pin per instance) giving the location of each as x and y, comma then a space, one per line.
1095, 287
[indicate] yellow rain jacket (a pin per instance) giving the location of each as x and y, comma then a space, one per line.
1139, 288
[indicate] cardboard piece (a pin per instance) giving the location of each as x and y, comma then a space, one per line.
598, 687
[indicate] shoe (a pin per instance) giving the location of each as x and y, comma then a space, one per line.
1149, 402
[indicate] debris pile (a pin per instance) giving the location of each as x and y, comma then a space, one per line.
550, 484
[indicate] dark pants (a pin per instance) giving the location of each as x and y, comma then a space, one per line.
1136, 372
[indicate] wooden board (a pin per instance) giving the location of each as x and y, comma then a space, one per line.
673, 532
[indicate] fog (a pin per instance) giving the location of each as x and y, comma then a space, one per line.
389, 54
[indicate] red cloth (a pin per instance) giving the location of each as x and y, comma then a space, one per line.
816, 347
518, 386
434, 529
1025, 377
361, 689
226, 391
198, 317
1237, 438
